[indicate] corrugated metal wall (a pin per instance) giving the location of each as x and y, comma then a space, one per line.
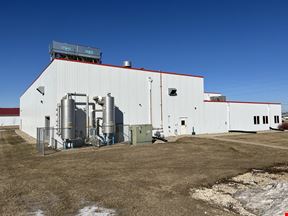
131, 89
225, 116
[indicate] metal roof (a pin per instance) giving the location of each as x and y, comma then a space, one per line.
9, 111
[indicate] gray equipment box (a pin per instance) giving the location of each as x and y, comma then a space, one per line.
141, 134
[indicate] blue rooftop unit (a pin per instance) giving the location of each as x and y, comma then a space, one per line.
74, 52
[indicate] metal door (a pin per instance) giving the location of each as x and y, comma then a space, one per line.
183, 125
47, 127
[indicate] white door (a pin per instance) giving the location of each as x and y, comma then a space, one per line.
183, 126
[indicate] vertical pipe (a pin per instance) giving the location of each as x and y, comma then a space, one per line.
59, 119
150, 98
87, 117
269, 122
228, 116
93, 115
161, 101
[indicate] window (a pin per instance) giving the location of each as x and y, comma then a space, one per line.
183, 122
172, 92
276, 119
256, 120
265, 120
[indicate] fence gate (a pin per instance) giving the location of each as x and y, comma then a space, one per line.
40, 144
45, 136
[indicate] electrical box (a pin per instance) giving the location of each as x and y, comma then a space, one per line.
141, 134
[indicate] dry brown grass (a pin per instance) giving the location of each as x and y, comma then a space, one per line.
149, 179
270, 138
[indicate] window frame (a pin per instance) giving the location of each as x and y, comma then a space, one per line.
265, 120
256, 120
276, 119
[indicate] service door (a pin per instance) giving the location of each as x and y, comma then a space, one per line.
47, 127
183, 125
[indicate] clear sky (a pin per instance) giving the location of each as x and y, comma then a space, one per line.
240, 46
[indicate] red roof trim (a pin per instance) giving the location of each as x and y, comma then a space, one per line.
9, 111
243, 102
139, 69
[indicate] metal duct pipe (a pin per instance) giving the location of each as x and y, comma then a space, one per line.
108, 117
67, 118
77, 94
150, 80
59, 119
87, 118
108, 126
93, 121
161, 100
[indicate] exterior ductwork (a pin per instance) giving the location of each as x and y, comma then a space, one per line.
108, 126
67, 118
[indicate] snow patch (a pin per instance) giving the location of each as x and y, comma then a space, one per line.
255, 193
267, 201
39, 212
96, 211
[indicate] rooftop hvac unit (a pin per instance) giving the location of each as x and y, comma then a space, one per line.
74, 52
218, 98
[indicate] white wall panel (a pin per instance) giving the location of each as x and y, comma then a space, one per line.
130, 87
242, 116
34, 106
216, 117
9, 120
188, 103
239, 116
274, 110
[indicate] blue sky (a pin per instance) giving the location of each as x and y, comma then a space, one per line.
240, 46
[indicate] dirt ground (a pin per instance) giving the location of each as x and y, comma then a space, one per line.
152, 179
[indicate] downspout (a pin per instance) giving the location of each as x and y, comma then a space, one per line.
87, 117
269, 122
161, 101
228, 117
150, 80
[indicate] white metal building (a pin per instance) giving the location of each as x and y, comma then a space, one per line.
9, 117
171, 102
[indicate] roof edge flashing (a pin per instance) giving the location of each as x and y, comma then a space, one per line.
130, 68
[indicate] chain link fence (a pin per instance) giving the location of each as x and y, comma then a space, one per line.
49, 138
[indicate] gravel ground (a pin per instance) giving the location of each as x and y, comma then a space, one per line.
259, 192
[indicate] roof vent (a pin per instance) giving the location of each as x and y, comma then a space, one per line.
127, 64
